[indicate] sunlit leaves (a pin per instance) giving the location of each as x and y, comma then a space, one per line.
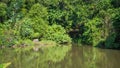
56, 33
38, 11
92, 34
3, 8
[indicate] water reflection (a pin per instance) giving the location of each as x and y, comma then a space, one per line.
63, 57
101, 58
30, 59
90, 57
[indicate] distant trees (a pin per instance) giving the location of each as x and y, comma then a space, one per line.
86, 20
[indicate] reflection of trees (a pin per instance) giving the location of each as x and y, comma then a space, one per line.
62, 57
99, 58
73, 59
46, 58
92, 57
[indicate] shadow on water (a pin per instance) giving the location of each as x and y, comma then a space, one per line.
62, 57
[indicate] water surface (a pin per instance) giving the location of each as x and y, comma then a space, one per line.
62, 57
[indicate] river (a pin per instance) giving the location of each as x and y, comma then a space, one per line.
62, 57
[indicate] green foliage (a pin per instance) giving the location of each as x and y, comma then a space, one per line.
86, 21
25, 42
38, 15
32, 28
92, 34
7, 37
116, 23
49, 2
29, 3
39, 26
3, 12
26, 29
56, 33
35, 35
38, 11
3, 8
113, 40
14, 10
115, 3
109, 43
103, 4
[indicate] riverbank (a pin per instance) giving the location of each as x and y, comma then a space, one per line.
34, 45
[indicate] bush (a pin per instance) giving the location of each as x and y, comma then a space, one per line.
32, 28
56, 33
38, 15
26, 29
3, 8
93, 33
39, 26
25, 42
7, 37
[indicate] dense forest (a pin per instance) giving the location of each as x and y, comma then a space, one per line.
59, 33
88, 22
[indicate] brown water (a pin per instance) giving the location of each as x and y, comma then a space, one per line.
62, 57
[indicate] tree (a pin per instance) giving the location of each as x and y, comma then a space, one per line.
38, 11
3, 12
92, 33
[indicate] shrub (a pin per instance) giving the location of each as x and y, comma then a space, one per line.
25, 42
93, 33
38, 15
32, 28
56, 33
26, 29
7, 37
39, 26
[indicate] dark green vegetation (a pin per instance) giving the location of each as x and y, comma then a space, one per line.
91, 22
